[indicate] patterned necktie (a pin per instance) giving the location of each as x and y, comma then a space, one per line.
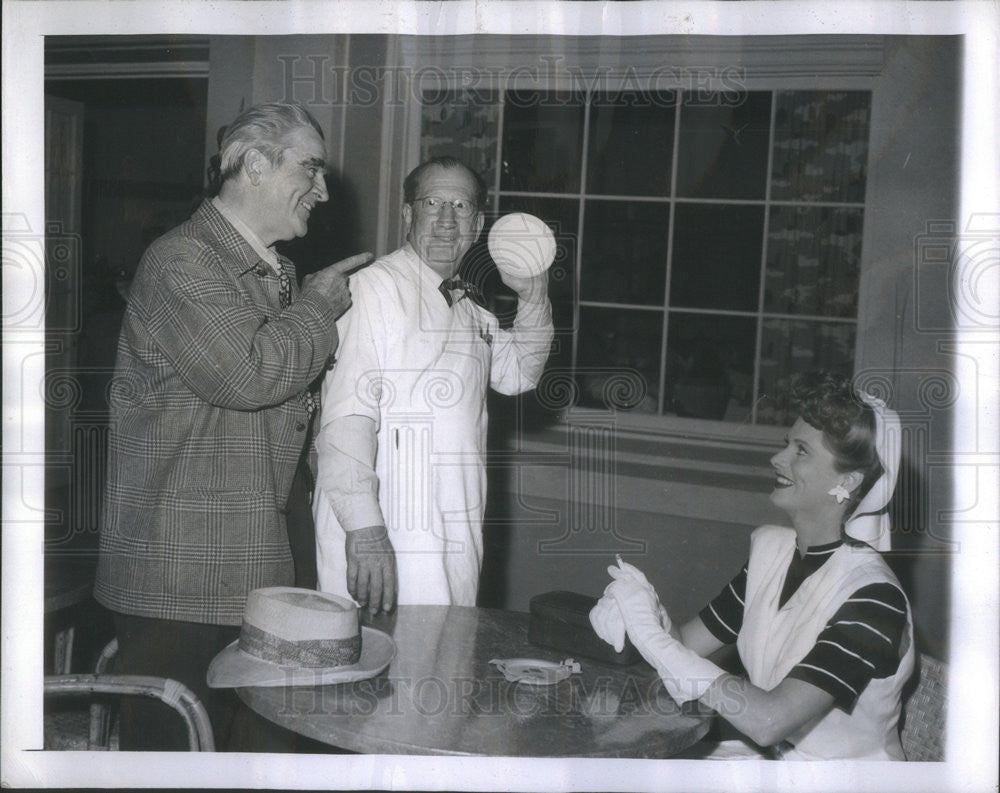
285, 300
450, 285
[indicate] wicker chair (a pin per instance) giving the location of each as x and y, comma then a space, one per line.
924, 711
65, 731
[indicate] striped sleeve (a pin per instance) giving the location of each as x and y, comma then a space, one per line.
723, 616
860, 643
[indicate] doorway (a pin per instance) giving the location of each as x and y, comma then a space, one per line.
142, 163
125, 158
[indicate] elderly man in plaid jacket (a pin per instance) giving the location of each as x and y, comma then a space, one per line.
211, 411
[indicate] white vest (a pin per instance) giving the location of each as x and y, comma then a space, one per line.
773, 640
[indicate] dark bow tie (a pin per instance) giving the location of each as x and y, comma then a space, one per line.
449, 286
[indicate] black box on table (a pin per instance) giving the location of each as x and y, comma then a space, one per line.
560, 620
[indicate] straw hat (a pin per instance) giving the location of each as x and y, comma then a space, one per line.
300, 637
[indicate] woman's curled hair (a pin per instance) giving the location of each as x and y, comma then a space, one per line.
828, 402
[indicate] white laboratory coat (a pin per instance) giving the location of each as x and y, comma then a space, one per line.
420, 369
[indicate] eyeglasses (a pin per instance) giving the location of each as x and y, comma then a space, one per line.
433, 205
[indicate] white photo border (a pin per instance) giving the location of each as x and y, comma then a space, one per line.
972, 722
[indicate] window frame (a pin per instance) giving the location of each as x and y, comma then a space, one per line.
762, 63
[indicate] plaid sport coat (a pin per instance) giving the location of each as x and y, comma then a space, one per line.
207, 426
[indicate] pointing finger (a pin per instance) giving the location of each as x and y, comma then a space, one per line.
350, 263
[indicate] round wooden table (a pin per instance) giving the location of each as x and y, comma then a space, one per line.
441, 695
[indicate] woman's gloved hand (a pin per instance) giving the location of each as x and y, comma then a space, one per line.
638, 605
685, 674
627, 572
606, 616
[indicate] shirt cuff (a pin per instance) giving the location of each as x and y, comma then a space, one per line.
346, 447
358, 512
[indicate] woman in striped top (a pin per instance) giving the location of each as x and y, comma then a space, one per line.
821, 624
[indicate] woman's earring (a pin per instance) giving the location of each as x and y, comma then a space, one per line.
840, 492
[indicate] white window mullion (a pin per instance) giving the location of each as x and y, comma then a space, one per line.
581, 204
629, 306
664, 335
498, 170
758, 342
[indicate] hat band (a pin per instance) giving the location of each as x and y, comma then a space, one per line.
312, 653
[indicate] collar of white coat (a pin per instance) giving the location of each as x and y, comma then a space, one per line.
427, 277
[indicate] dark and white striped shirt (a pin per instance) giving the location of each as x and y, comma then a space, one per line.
861, 641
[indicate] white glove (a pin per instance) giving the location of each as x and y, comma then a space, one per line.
685, 674
607, 620
628, 572
606, 616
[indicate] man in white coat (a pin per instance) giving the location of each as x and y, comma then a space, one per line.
401, 485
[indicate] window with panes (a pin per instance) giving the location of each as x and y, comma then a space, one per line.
709, 242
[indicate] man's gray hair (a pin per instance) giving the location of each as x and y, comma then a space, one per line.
265, 128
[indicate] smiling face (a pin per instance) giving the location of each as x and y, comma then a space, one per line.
805, 473
287, 192
442, 239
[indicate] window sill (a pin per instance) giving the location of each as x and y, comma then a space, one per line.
708, 470
726, 434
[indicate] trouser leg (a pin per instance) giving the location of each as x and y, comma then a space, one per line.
180, 651
301, 529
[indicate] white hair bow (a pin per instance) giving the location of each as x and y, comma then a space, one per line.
870, 520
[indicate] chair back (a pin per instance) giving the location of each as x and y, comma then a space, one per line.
924, 711
170, 692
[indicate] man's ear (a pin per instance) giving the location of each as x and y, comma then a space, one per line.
478, 225
253, 166
407, 219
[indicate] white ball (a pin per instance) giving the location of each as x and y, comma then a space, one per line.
522, 245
